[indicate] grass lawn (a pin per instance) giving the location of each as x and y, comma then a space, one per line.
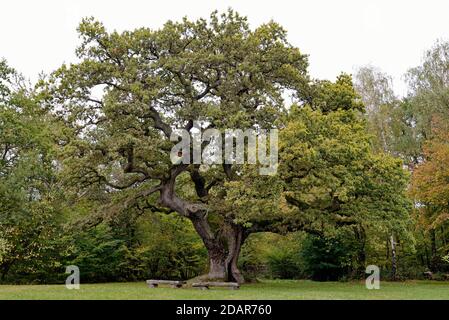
270, 289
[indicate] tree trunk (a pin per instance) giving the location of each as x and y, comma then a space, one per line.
443, 235
360, 236
433, 248
427, 256
235, 272
223, 251
217, 267
393, 258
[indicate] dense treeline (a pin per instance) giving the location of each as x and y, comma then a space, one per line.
414, 128
86, 178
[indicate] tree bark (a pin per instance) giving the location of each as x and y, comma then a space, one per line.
223, 251
236, 275
393, 258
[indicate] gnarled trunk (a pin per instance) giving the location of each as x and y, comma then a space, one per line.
233, 269
223, 251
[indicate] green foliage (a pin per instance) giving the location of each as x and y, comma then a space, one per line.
98, 254
414, 129
429, 86
284, 264
6, 75
326, 259
157, 246
269, 255
30, 213
332, 177
392, 122
339, 95
171, 248
218, 71
35, 242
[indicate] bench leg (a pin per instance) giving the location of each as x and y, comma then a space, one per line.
153, 285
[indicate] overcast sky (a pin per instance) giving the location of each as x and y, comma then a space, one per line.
339, 35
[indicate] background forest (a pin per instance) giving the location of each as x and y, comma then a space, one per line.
384, 159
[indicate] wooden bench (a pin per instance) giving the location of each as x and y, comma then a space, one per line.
173, 284
206, 285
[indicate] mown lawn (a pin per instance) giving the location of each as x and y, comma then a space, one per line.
272, 289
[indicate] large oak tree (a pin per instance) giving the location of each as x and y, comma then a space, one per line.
121, 102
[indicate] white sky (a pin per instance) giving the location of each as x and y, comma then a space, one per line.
338, 35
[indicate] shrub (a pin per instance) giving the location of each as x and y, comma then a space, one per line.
325, 259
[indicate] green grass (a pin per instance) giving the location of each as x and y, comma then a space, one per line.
272, 289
